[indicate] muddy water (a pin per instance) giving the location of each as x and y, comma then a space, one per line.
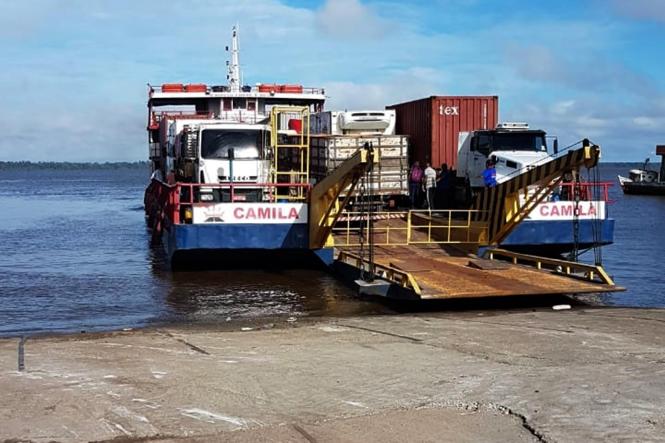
76, 256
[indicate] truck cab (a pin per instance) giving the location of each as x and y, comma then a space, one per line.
512, 147
214, 152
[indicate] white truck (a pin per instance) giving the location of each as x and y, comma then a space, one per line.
213, 151
512, 147
337, 135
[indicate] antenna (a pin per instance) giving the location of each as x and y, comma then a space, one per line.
234, 66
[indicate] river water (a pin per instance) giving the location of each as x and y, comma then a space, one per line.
76, 256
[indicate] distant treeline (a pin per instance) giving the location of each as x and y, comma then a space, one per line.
23, 165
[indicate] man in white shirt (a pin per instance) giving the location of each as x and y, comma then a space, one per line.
429, 179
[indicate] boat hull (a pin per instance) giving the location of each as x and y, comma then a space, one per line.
242, 245
555, 237
643, 188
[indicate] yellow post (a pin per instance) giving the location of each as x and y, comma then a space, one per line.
408, 228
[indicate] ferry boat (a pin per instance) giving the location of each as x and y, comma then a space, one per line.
231, 177
218, 179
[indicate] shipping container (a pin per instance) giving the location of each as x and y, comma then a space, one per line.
389, 176
433, 124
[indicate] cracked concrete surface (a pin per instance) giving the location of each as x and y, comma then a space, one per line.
580, 375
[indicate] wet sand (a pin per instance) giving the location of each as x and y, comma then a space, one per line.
587, 374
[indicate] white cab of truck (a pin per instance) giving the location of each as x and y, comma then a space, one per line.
222, 151
513, 147
233, 153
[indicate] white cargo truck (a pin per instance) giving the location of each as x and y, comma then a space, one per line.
336, 136
512, 147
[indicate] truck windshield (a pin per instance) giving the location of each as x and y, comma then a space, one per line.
519, 142
218, 143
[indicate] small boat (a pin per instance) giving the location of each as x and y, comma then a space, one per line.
645, 181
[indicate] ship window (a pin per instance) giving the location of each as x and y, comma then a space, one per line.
239, 103
227, 104
219, 143
251, 105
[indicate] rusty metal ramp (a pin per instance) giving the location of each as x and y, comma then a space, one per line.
412, 264
430, 272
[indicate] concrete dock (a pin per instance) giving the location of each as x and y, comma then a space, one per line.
588, 374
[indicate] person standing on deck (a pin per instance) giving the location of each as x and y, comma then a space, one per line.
415, 182
443, 195
430, 185
489, 174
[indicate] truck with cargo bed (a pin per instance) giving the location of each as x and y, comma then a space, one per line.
337, 136
388, 177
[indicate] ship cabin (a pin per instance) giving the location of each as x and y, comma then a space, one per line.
246, 104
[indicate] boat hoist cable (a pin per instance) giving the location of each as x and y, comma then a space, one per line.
366, 219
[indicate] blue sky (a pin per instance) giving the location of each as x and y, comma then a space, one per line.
74, 72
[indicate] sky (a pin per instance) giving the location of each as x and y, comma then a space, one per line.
73, 73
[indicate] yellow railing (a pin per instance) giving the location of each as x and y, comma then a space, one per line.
290, 158
416, 227
593, 273
395, 275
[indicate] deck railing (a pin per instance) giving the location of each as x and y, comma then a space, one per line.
170, 201
415, 227
221, 90
588, 191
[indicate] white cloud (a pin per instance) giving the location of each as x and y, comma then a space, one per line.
651, 10
349, 19
88, 63
409, 84
584, 71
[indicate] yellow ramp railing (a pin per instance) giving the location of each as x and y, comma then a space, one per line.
416, 227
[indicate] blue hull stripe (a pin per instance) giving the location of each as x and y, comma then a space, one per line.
535, 233
286, 238
238, 236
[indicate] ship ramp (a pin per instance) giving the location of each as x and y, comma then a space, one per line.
448, 254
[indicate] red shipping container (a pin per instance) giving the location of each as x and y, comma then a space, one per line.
196, 87
433, 124
172, 87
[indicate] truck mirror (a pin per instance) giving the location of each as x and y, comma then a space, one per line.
556, 145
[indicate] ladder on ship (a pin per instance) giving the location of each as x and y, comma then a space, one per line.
289, 140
